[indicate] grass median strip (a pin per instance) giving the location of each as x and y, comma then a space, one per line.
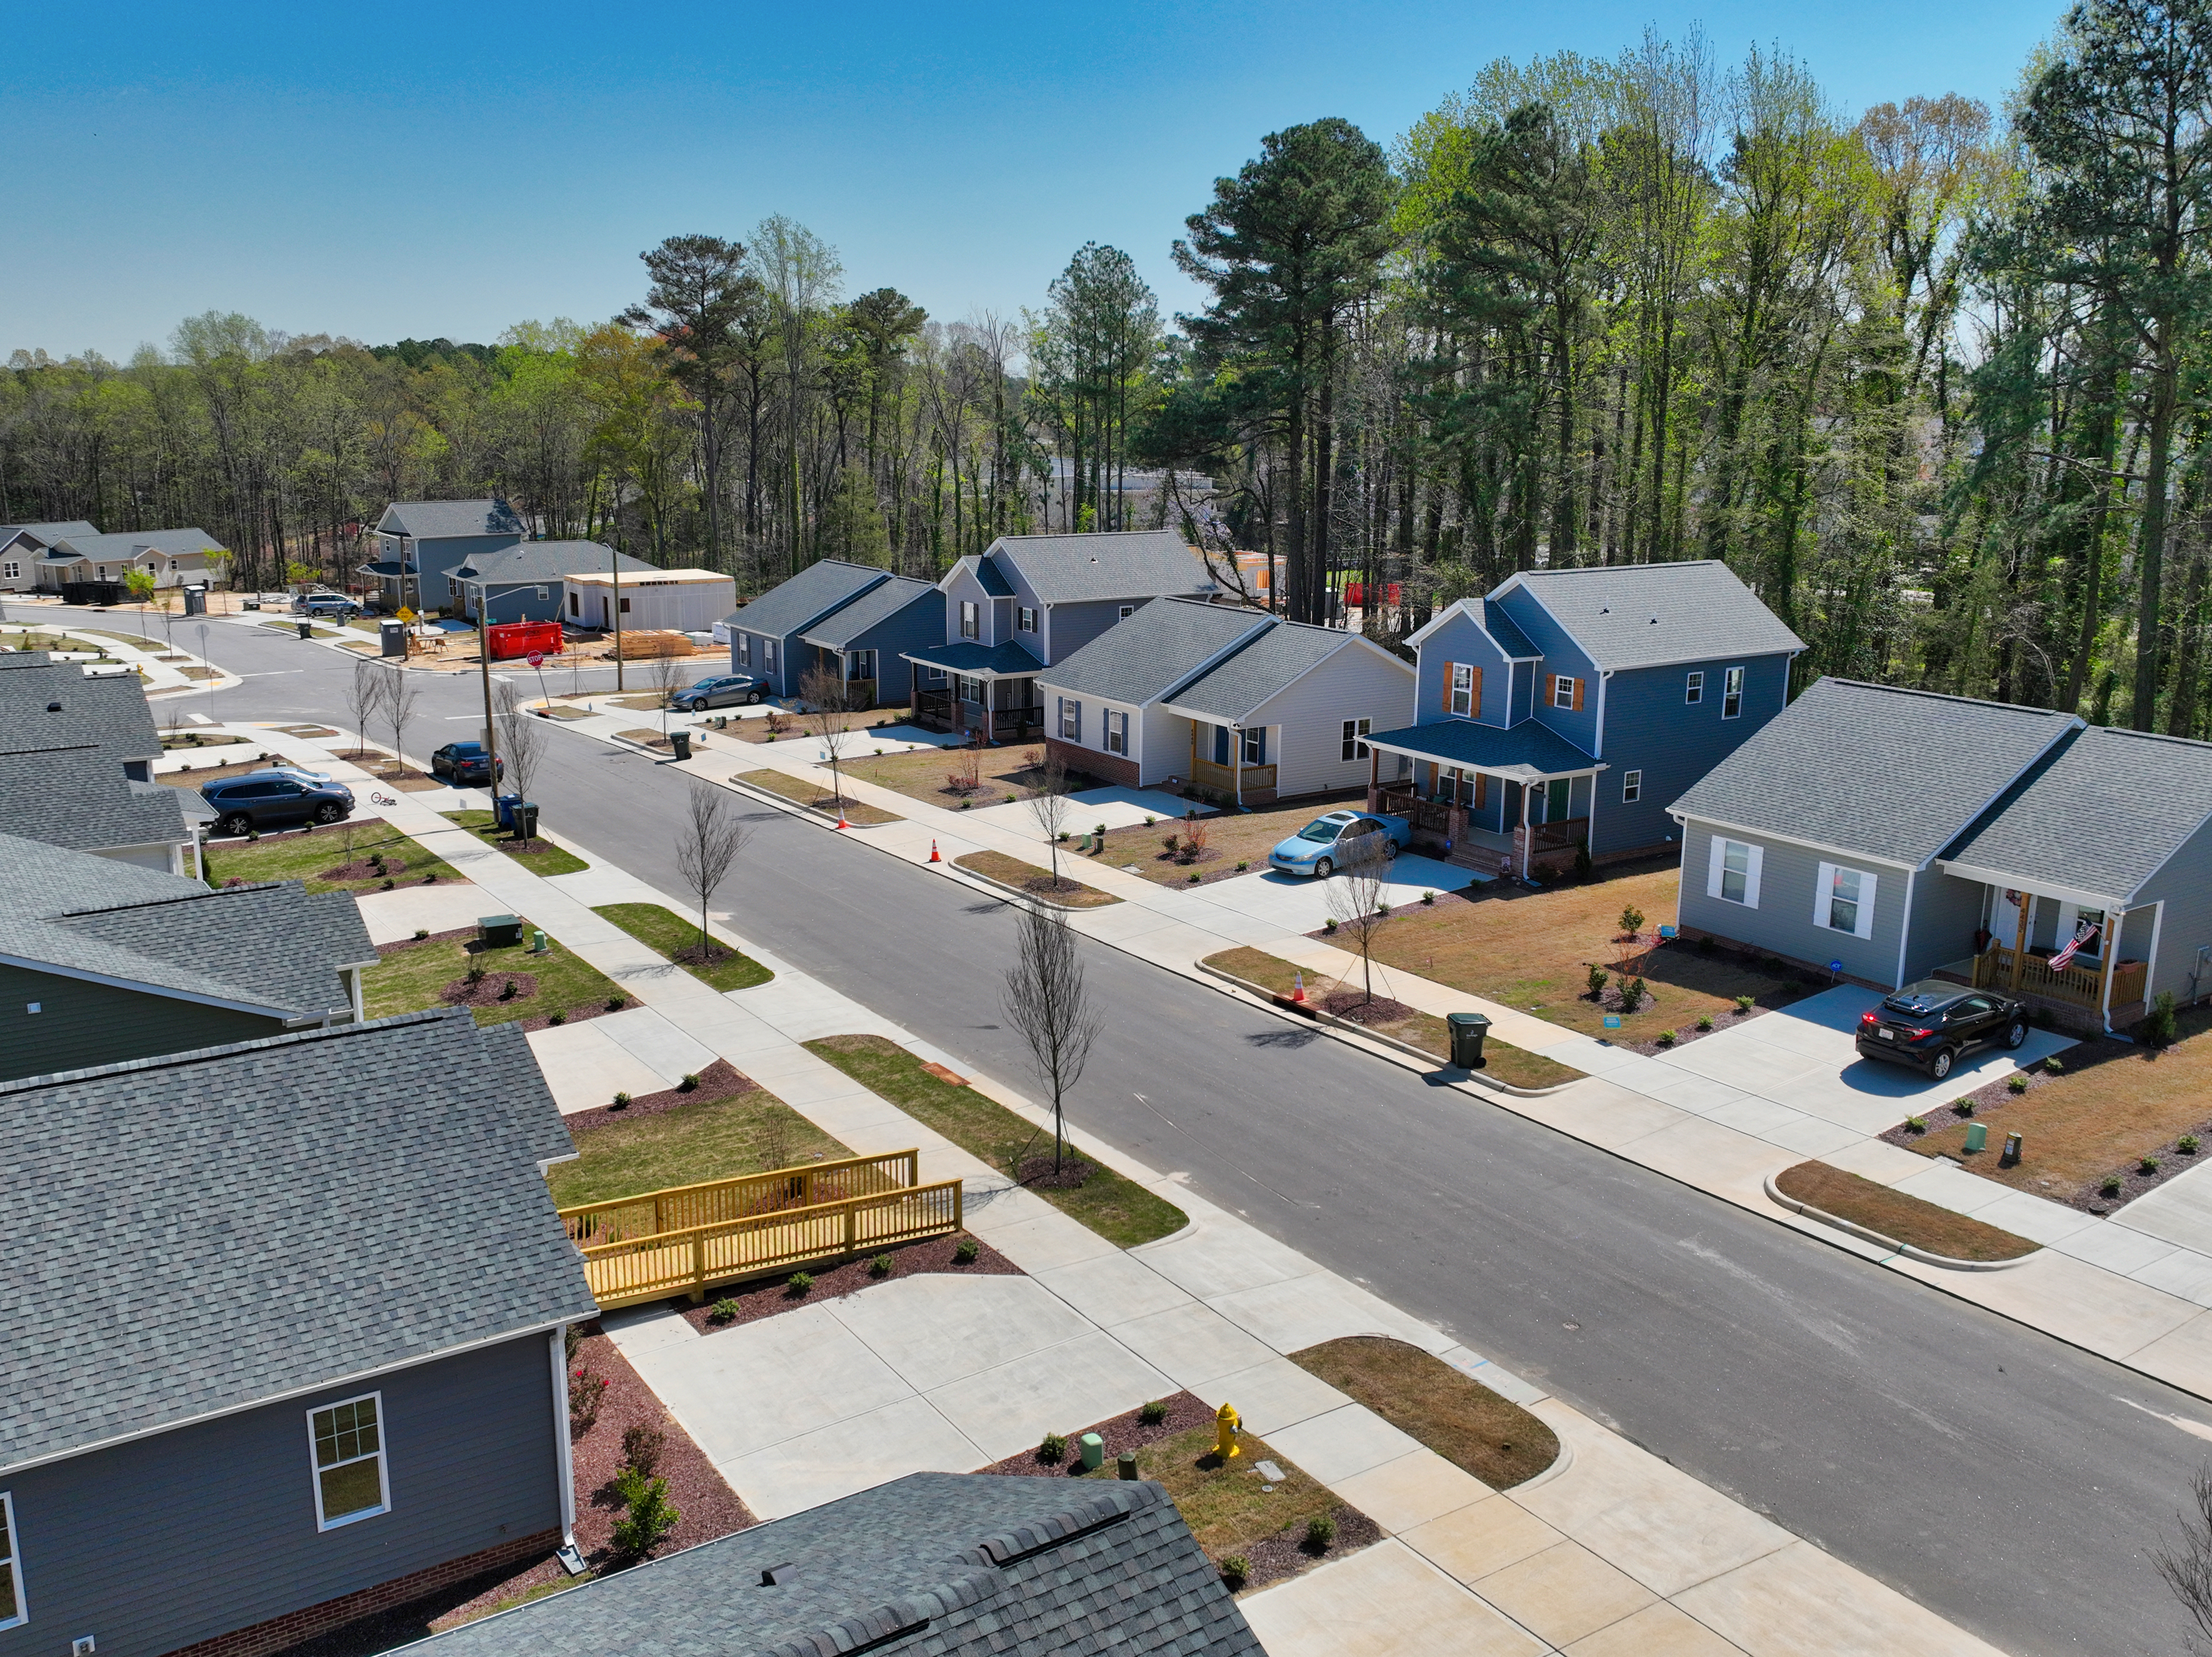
1418, 1394
668, 933
806, 792
540, 856
1501, 1059
1118, 1210
1894, 1215
1013, 871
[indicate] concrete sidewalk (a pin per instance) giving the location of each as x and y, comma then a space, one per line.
1612, 1544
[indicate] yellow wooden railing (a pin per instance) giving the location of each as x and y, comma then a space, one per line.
2081, 985
652, 1213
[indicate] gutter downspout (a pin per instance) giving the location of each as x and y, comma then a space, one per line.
1904, 927
2151, 964
557, 1347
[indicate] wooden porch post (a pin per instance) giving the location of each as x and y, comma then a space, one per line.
1236, 762
1374, 778
2020, 936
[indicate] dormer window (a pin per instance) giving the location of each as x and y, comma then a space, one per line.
971, 620
1025, 620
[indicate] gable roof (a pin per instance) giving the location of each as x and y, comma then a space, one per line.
1488, 615
439, 520
1264, 666
109, 711
938, 1564
1894, 775
78, 796
541, 560
272, 946
2101, 815
987, 575
46, 534
123, 547
806, 597
1625, 616
1155, 650
1062, 569
323, 1206
841, 626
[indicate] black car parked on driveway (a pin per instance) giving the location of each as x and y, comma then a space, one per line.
465, 763
1933, 1022
262, 800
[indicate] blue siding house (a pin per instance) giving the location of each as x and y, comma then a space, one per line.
523, 583
420, 543
285, 1337
865, 642
1568, 708
765, 635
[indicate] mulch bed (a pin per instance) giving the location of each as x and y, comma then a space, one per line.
488, 991
718, 1081
768, 1295
535, 1022
364, 869
1287, 1553
1123, 1432
1038, 1174
1356, 1007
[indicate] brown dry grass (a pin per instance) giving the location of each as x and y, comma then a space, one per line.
784, 726
1533, 950
1029, 877
923, 776
807, 792
1232, 838
1898, 1217
1418, 1394
2111, 1105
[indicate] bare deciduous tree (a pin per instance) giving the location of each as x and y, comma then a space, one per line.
1048, 806
366, 697
399, 707
1047, 1004
521, 741
823, 697
2187, 1566
666, 673
707, 844
1355, 896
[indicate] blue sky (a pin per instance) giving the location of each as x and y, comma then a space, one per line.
415, 169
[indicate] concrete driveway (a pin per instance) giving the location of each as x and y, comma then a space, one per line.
1299, 903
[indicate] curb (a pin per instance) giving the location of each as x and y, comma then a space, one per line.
1865, 1234
1026, 897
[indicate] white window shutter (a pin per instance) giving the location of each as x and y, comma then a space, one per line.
1823, 887
1867, 884
1715, 865
1751, 877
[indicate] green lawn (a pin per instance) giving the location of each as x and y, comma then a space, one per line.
714, 1139
410, 978
309, 858
671, 935
543, 856
1118, 1210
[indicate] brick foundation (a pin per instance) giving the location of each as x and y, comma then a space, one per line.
280, 1633
1106, 768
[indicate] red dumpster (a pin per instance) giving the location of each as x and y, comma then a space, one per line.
511, 639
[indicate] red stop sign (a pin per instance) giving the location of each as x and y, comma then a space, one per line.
536, 658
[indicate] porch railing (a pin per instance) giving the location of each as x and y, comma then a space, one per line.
2080, 986
1551, 836
1013, 724
860, 694
1427, 817
678, 1208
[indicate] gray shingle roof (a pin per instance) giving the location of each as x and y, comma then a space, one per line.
109, 712
1154, 651
1529, 750
79, 797
1894, 774
1063, 569
439, 520
271, 945
1502, 627
992, 578
2101, 815
1264, 666
1002, 661
544, 561
310, 1207
838, 630
47, 534
928, 1565
1701, 610
121, 548
806, 597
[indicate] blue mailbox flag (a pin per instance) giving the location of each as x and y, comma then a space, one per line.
1612, 1021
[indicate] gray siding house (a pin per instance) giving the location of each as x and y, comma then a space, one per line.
76, 766
76, 561
1235, 705
949, 1564
23, 545
765, 635
1901, 834
1029, 602
1563, 710
285, 1337
523, 583
101, 962
865, 642
421, 543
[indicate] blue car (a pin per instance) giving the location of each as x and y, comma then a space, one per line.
1331, 841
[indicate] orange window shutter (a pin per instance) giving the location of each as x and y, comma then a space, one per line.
1481, 789
1475, 695
1578, 695
1451, 672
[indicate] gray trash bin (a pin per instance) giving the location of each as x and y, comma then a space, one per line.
392, 638
524, 816
306, 629
1468, 1030
681, 741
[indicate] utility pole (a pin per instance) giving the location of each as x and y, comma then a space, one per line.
483, 657
614, 564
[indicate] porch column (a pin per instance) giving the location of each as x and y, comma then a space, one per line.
1374, 778
1525, 848
2113, 920
1236, 763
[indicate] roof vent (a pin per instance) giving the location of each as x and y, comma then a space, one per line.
769, 1572
1654, 621
53, 707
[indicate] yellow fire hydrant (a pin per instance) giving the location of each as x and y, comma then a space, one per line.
1225, 1422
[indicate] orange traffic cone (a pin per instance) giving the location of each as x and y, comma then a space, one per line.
933, 858
841, 823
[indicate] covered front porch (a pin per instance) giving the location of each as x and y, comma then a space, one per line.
1517, 802
989, 694
2082, 959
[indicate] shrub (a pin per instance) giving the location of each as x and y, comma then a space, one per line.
1010, 799
1667, 1038
1383, 910
880, 1266
723, 1310
1329, 925
1321, 1531
422, 933
650, 1517
2016, 1083
1153, 1413
616, 1003
965, 1251
1169, 841
1236, 1569
798, 1284
1631, 920
1149, 822
1428, 900
642, 1447
2052, 1067
621, 1102
1242, 864
2110, 1186
556, 1019
2157, 1029
1597, 981
1962, 1107
506, 990
2186, 1144
1705, 1023
690, 1082
1632, 994
1052, 1448
585, 1392
1063, 836
430, 879
2149, 1165
1746, 1003
1194, 877
1916, 1123
477, 972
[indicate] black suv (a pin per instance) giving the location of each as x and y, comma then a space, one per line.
260, 799
1932, 1022
465, 763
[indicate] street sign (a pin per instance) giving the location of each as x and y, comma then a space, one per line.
536, 658
405, 614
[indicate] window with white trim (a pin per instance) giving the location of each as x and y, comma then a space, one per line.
12, 1608
13, 572
1693, 687
347, 1442
744, 639
1462, 689
1732, 873
1566, 690
860, 665
1071, 720
1732, 693
1255, 745
1355, 732
768, 652
1632, 787
1025, 619
1843, 901
1127, 610
541, 595
1117, 732
971, 619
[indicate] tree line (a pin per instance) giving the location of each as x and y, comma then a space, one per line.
1932, 380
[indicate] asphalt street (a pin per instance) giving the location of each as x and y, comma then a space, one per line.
2008, 1482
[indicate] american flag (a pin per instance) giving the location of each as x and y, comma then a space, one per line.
2064, 958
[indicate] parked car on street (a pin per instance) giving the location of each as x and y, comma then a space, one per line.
1335, 838
326, 604
1934, 1023
465, 763
263, 799
727, 691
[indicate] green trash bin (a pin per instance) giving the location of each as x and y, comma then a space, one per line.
1468, 1030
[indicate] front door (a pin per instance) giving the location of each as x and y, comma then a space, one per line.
1555, 809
